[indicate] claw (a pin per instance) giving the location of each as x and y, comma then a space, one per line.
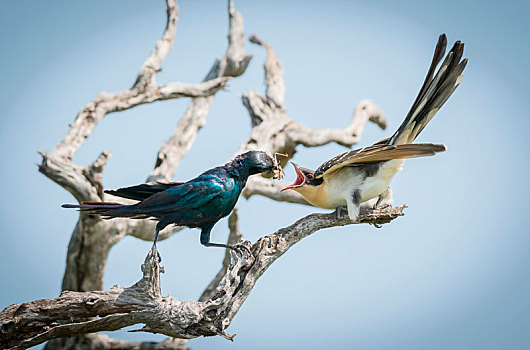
375, 207
238, 246
385, 196
339, 210
157, 253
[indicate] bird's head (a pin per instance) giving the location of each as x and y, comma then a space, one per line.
257, 162
305, 180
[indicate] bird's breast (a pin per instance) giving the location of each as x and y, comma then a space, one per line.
340, 185
373, 186
371, 180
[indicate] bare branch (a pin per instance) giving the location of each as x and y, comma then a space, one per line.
152, 64
145, 85
74, 178
235, 61
365, 111
273, 132
105, 103
93, 238
275, 91
234, 237
233, 64
75, 313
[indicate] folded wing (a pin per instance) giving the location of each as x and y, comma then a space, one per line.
378, 153
143, 191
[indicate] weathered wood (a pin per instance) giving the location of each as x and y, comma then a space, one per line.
85, 310
273, 131
75, 313
93, 238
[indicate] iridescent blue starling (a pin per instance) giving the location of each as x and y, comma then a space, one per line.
200, 202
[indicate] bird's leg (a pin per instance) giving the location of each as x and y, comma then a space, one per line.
379, 200
339, 211
235, 247
205, 241
157, 230
156, 235
221, 245
353, 203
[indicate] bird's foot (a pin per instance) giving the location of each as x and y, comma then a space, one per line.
377, 225
239, 247
377, 207
339, 210
385, 199
157, 253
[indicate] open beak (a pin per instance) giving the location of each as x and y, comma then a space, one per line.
300, 179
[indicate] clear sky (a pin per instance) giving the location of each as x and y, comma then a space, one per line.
451, 274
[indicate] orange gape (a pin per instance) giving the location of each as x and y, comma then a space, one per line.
357, 176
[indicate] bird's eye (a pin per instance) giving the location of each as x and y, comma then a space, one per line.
310, 177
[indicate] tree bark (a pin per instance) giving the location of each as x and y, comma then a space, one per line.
76, 313
82, 308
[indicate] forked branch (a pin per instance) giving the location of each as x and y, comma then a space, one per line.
273, 131
80, 312
75, 313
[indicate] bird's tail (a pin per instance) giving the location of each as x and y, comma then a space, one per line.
435, 91
106, 209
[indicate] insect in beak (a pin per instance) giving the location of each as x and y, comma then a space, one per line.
277, 172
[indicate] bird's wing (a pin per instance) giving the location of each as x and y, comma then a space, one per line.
378, 153
190, 195
143, 191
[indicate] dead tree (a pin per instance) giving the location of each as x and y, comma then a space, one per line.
71, 320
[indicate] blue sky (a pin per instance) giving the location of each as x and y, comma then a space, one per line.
452, 273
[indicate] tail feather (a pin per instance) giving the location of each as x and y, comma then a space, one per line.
143, 191
440, 98
434, 92
439, 52
106, 209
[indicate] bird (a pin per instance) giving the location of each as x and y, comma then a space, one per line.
199, 203
359, 175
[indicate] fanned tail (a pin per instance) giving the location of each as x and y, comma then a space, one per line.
434, 91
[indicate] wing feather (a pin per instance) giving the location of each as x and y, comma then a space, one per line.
143, 191
378, 153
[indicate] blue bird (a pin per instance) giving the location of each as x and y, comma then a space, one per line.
198, 203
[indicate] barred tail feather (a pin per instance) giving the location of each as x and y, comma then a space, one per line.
434, 91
